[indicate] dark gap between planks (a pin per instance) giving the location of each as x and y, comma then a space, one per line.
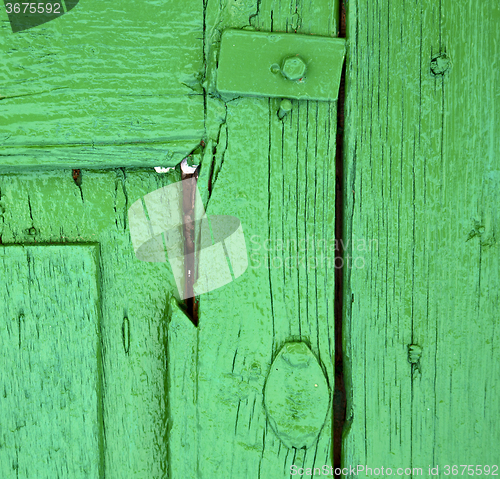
339, 395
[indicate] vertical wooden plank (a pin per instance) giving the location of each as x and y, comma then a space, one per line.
51, 399
422, 183
182, 356
277, 177
463, 409
378, 294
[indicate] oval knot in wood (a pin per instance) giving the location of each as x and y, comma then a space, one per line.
296, 396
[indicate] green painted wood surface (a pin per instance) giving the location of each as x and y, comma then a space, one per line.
103, 86
279, 65
277, 177
204, 414
51, 401
283, 296
50, 208
182, 439
423, 180
421, 189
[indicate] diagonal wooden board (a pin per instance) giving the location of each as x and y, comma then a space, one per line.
423, 181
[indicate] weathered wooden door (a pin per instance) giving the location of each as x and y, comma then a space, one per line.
94, 343
103, 372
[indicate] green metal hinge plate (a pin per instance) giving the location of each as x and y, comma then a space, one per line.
282, 65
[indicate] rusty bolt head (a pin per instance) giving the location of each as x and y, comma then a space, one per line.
294, 68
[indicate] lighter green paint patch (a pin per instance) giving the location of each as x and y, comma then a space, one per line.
296, 396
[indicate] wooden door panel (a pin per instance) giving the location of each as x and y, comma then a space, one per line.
51, 362
50, 208
275, 174
286, 293
102, 87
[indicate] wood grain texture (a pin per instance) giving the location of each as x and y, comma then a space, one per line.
50, 208
103, 86
51, 401
182, 361
287, 292
277, 177
423, 181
